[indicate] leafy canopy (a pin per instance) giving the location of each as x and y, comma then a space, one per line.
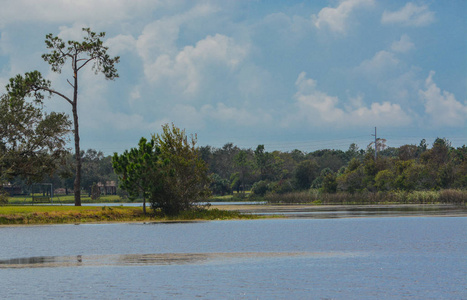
31, 142
140, 170
168, 170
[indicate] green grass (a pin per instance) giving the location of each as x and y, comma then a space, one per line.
51, 214
70, 199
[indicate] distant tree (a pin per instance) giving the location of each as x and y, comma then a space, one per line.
459, 159
306, 173
95, 168
351, 181
318, 182
80, 54
297, 155
219, 185
384, 180
380, 145
32, 143
261, 158
329, 184
243, 163
223, 160
353, 152
422, 147
332, 159
407, 152
260, 188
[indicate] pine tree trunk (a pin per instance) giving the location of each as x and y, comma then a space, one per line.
77, 184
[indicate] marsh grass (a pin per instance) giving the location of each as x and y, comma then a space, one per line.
458, 197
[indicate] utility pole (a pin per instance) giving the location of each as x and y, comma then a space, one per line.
376, 148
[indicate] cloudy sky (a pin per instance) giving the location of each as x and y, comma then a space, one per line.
286, 74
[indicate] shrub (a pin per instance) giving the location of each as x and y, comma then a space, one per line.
260, 188
3, 197
282, 187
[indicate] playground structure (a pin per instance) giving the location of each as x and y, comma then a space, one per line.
42, 193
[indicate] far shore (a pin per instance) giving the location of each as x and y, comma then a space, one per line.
342, 211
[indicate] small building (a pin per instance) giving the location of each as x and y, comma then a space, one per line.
108, 188
12, 190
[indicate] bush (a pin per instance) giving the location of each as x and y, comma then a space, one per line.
260, 188
283, 187
3, 197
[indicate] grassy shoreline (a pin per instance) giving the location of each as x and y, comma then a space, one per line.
63, 199
48, 214
52, 214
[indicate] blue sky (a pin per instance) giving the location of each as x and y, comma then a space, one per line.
286, 74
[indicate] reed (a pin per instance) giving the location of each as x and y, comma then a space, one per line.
457, 197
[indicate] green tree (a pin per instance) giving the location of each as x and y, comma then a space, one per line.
79, 54
264, 162
186, 181
384, 180
260, 188
140, 170
32, 143
223, 160
306, 173
95, 168
243, 164
329, 184
219, 185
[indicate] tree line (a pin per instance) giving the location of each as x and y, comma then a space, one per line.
406, 168
233, 169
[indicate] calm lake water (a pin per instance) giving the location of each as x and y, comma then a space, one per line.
298, 258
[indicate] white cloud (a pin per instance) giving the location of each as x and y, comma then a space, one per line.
160, 37
59, 11
381, 63
410, 15
187, 116
186, 68
121, 44
336, 18
236, 116
318, 108
441, 106
403, 45
74, 32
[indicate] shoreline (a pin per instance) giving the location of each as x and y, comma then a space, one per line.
252, 211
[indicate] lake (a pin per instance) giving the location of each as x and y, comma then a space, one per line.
293, 258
